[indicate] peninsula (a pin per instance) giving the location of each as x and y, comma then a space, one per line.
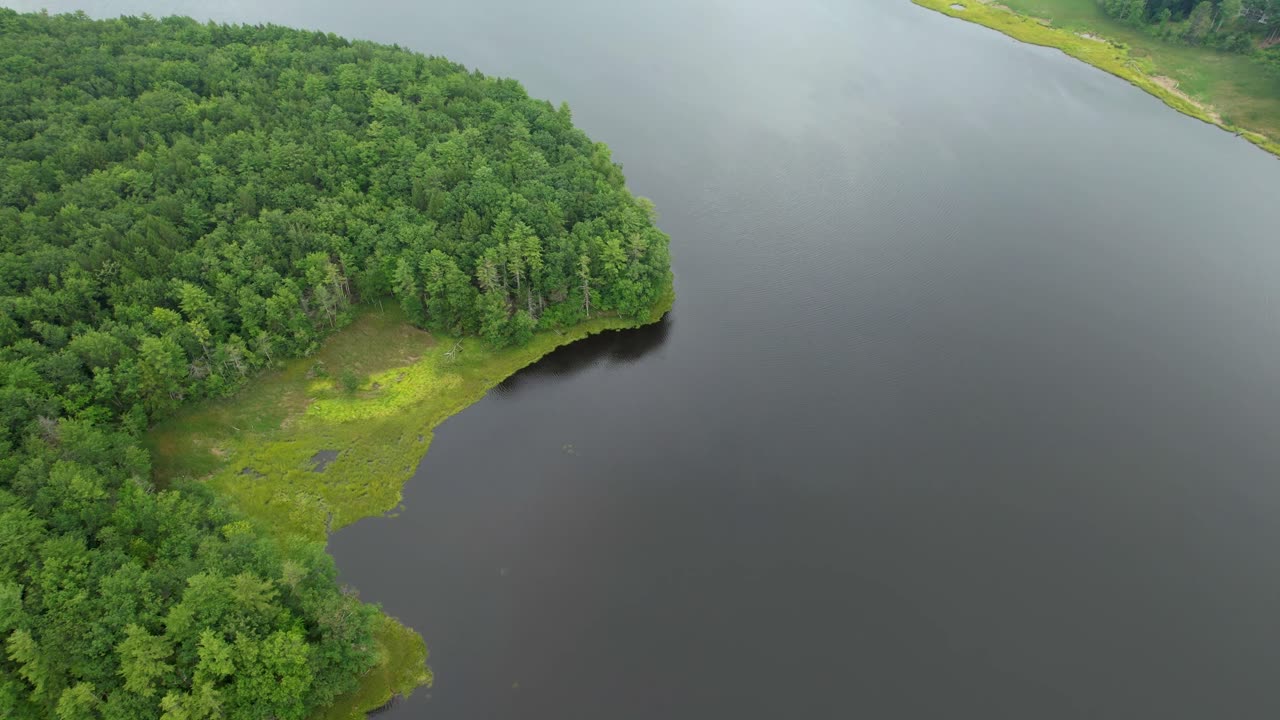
244, 271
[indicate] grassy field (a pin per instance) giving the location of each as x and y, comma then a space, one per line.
259, 448
1223, 89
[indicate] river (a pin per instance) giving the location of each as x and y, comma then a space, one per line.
968, 406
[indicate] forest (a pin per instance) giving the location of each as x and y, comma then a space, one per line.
183, 205
1242, 26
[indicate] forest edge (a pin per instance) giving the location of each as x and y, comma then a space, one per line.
255, 447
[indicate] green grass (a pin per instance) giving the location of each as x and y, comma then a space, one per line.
255, 447
1228, 90
402, 666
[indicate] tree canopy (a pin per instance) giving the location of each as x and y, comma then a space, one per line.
1241, 26
182, 204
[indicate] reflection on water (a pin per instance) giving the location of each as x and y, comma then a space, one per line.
392, 703
619, 347
970, 413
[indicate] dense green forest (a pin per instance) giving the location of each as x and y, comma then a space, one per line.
1235, 25
182, 204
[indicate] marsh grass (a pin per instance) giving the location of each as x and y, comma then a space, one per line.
396, 384
1230, 91
402, 667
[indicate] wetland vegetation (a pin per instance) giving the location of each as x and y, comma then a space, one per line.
186, 207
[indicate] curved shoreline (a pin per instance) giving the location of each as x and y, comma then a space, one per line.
1094, 50
303, 457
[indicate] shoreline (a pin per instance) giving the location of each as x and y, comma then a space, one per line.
259, 448
1094, 50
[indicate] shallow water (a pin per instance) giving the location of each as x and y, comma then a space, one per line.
967, 408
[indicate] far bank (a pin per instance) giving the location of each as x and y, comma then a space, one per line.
1121, 60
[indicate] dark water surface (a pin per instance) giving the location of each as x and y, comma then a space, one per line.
967, 408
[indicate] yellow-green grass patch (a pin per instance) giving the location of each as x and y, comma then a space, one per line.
259, 447
402, 666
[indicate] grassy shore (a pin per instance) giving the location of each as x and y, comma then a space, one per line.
263, 447
1230, 91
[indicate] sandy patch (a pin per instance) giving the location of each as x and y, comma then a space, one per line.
1171, 85
1090, 36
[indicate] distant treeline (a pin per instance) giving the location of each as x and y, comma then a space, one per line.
182, 204
1243, 26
